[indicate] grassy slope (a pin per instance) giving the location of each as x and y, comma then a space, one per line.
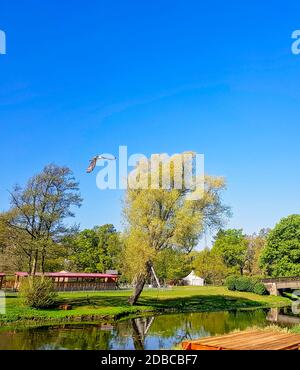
113, 304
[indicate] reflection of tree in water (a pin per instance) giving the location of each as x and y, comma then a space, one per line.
179, 327
62, 337
192, 325
162, 331
140, 328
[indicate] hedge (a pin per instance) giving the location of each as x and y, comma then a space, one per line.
245, 284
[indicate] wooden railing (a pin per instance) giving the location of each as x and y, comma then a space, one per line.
83, 286
8, 282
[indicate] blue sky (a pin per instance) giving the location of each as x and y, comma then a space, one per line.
161, 76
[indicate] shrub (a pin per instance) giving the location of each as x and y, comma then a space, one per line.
38, 292
245, 284
260, 289
230, 282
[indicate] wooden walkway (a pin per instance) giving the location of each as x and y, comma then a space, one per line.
247, 340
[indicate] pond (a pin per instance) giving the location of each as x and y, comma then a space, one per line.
152, 332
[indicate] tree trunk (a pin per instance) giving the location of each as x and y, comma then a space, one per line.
43, 261
138, 338
138, 288
34, 263
139, 284
29, 265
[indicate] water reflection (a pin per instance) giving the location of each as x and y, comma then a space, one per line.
140, 328
283, 316
159, 332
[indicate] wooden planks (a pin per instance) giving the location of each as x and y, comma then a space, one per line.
247, 340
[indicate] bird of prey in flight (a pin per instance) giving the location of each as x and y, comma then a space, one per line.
94, 160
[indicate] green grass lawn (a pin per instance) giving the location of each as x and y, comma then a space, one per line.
113, 304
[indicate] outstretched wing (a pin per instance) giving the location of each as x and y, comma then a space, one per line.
93, 162
92, 165
111, 158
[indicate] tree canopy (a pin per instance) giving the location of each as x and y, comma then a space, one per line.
210, 266
281, 256
38, 211
97, 249
232, 246
256, 244
172, 265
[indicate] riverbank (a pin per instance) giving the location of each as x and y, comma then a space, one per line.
112, 305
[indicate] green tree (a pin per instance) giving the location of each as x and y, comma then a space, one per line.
14, 247
281, 256
210, 266
96, 250
162, 218
232, 246
256, 244
172, 264
39, 210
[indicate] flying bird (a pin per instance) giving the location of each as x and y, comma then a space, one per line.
94, 160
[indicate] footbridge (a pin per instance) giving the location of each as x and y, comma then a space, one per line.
274, 285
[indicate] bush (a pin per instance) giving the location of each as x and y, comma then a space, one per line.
245, 284
230, 282
260, 289
38, 292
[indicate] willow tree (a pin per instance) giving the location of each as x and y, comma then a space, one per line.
165, 217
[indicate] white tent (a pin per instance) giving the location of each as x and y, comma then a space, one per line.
193, 279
